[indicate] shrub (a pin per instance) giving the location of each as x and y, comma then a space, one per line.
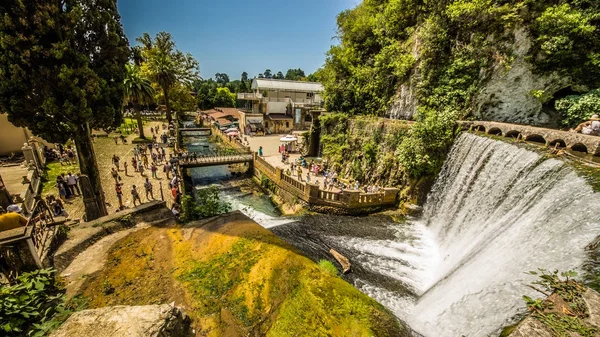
33, 306
205, 204
575, 109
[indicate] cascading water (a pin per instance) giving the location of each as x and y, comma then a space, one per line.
497, 211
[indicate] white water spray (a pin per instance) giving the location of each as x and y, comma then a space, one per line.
498, 211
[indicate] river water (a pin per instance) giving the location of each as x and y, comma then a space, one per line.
495, 212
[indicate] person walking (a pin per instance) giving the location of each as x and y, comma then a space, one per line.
145, 160
115, 160
125, 167
153, 168
135, 196
148, 189
140, 168
119, 192
260, 151
115, 175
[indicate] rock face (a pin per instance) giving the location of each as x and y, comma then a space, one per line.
132, 321
506, 95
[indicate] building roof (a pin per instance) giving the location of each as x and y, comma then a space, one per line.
217, 113
279, 117
285, 85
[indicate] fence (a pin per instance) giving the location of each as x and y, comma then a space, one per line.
313, 194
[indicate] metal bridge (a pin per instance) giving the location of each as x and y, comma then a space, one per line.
215, 160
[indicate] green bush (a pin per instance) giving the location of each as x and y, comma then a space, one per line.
206, 203
575, 109
33, 306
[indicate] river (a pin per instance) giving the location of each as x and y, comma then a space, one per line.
495, 212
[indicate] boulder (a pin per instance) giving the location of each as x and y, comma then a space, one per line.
132, 321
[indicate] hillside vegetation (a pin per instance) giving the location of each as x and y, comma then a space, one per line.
441, 54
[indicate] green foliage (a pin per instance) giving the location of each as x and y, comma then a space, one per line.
33, 306
562, 325
575, 109
224, 98
328, 267
205, 203
422, 153
166, 65
64, 69
295, 74
567, 40
458, 42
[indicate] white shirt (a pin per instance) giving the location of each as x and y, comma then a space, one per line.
71, 180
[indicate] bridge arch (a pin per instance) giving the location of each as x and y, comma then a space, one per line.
479, 128
536, 138
494, 131
513, 134
560, 142
579, 147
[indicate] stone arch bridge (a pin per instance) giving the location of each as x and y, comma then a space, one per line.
549, 137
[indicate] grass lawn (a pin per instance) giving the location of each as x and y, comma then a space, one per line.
53, 170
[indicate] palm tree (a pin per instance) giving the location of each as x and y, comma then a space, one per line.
138, 91
163, 72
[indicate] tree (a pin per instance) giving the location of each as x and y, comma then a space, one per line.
61, 74
294, 74
279, 76
244, 76
166, 65
267, 73
224, 98
138, 91
222, 79
261, 75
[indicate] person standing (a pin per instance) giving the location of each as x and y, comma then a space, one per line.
299, 172
140, 168
125, 167
153, 168
260, 151
119, 192
72, 183
148, 188
135, 196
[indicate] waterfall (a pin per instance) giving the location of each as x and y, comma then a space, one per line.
495, 212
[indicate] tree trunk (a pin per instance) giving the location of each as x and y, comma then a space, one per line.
315, 136
89, 167
167, 104
138, 116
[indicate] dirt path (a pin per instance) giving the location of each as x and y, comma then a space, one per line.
92, 260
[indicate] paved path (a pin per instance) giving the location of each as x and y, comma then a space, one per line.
105, 148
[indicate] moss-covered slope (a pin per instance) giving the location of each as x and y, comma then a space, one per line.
235, 278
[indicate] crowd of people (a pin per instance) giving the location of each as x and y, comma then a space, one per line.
330, 179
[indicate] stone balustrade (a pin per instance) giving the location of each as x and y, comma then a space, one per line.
314, 195
549, 137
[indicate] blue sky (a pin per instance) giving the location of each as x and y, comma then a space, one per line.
233, 36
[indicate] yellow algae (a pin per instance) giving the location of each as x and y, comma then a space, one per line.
235, 278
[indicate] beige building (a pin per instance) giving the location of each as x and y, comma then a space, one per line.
12, 138
285, 105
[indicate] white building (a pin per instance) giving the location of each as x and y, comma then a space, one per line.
285, 105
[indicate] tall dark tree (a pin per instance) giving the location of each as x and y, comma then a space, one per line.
62, 65
267, 73
222, 79
279, 76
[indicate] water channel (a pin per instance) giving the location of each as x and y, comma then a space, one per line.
495, 212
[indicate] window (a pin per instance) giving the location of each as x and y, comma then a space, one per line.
310, 95
287, 124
